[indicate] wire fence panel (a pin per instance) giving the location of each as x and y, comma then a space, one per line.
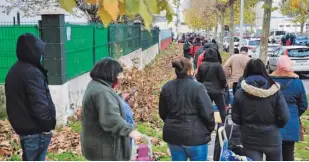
149, 38
8, 39
123, 39
79, 49
100, 42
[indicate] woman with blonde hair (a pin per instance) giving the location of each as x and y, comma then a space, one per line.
294, 93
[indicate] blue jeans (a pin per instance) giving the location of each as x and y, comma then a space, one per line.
194, 153
35, 146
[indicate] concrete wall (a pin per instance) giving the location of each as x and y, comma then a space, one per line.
68, 97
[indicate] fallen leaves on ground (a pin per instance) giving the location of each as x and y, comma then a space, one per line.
148, 83
145, 105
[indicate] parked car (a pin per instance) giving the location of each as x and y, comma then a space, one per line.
298, 54
226, 43
301, 41
271, 49
276, 35
252, 44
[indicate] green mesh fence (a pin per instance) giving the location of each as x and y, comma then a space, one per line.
149, 38
100, 42
123, 39
79, 50
8, 39
87, 45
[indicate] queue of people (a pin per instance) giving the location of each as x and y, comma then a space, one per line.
266, 107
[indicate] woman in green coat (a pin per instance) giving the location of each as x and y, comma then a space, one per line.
105, 133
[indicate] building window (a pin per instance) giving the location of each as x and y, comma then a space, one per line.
281, 26
288, 26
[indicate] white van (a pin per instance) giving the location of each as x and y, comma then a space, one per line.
276, 35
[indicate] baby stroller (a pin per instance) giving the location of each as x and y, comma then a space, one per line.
231, 144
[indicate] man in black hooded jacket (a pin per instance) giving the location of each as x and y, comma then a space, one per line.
30, 108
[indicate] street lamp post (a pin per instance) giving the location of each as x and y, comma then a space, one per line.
242, 5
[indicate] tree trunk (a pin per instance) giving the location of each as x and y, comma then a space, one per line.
302, 25
222, 31
266, 28
216, 27
231, 29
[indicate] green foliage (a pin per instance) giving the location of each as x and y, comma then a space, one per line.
201, 16
15, 158
302, 148
75, 124
65, 156
299, 14
249, 13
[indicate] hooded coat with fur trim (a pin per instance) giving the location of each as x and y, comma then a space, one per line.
294, 93
260, 109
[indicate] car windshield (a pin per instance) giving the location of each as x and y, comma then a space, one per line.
236, 39
301, 52
254, 43
301, 37
280, 32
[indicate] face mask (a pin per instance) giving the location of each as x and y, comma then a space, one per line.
41, 60
115, 83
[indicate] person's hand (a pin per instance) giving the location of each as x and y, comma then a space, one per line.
125, 96
136, 135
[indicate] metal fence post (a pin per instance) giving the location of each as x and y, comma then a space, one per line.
53, 34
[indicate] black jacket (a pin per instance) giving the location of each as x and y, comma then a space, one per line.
215, 46
261, 110
211, 73
187, 112
186, 50
28, 101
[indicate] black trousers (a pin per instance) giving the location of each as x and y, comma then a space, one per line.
288, 150
234, 88
272, 153
227, 96
219, 101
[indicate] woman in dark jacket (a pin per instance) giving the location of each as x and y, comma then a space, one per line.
260, 109
295, 95
105, 132
212, 76
187, 113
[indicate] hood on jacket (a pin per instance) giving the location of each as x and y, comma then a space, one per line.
206, 45
30, 49
284, 74
211, 56
214, 46
258, 86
